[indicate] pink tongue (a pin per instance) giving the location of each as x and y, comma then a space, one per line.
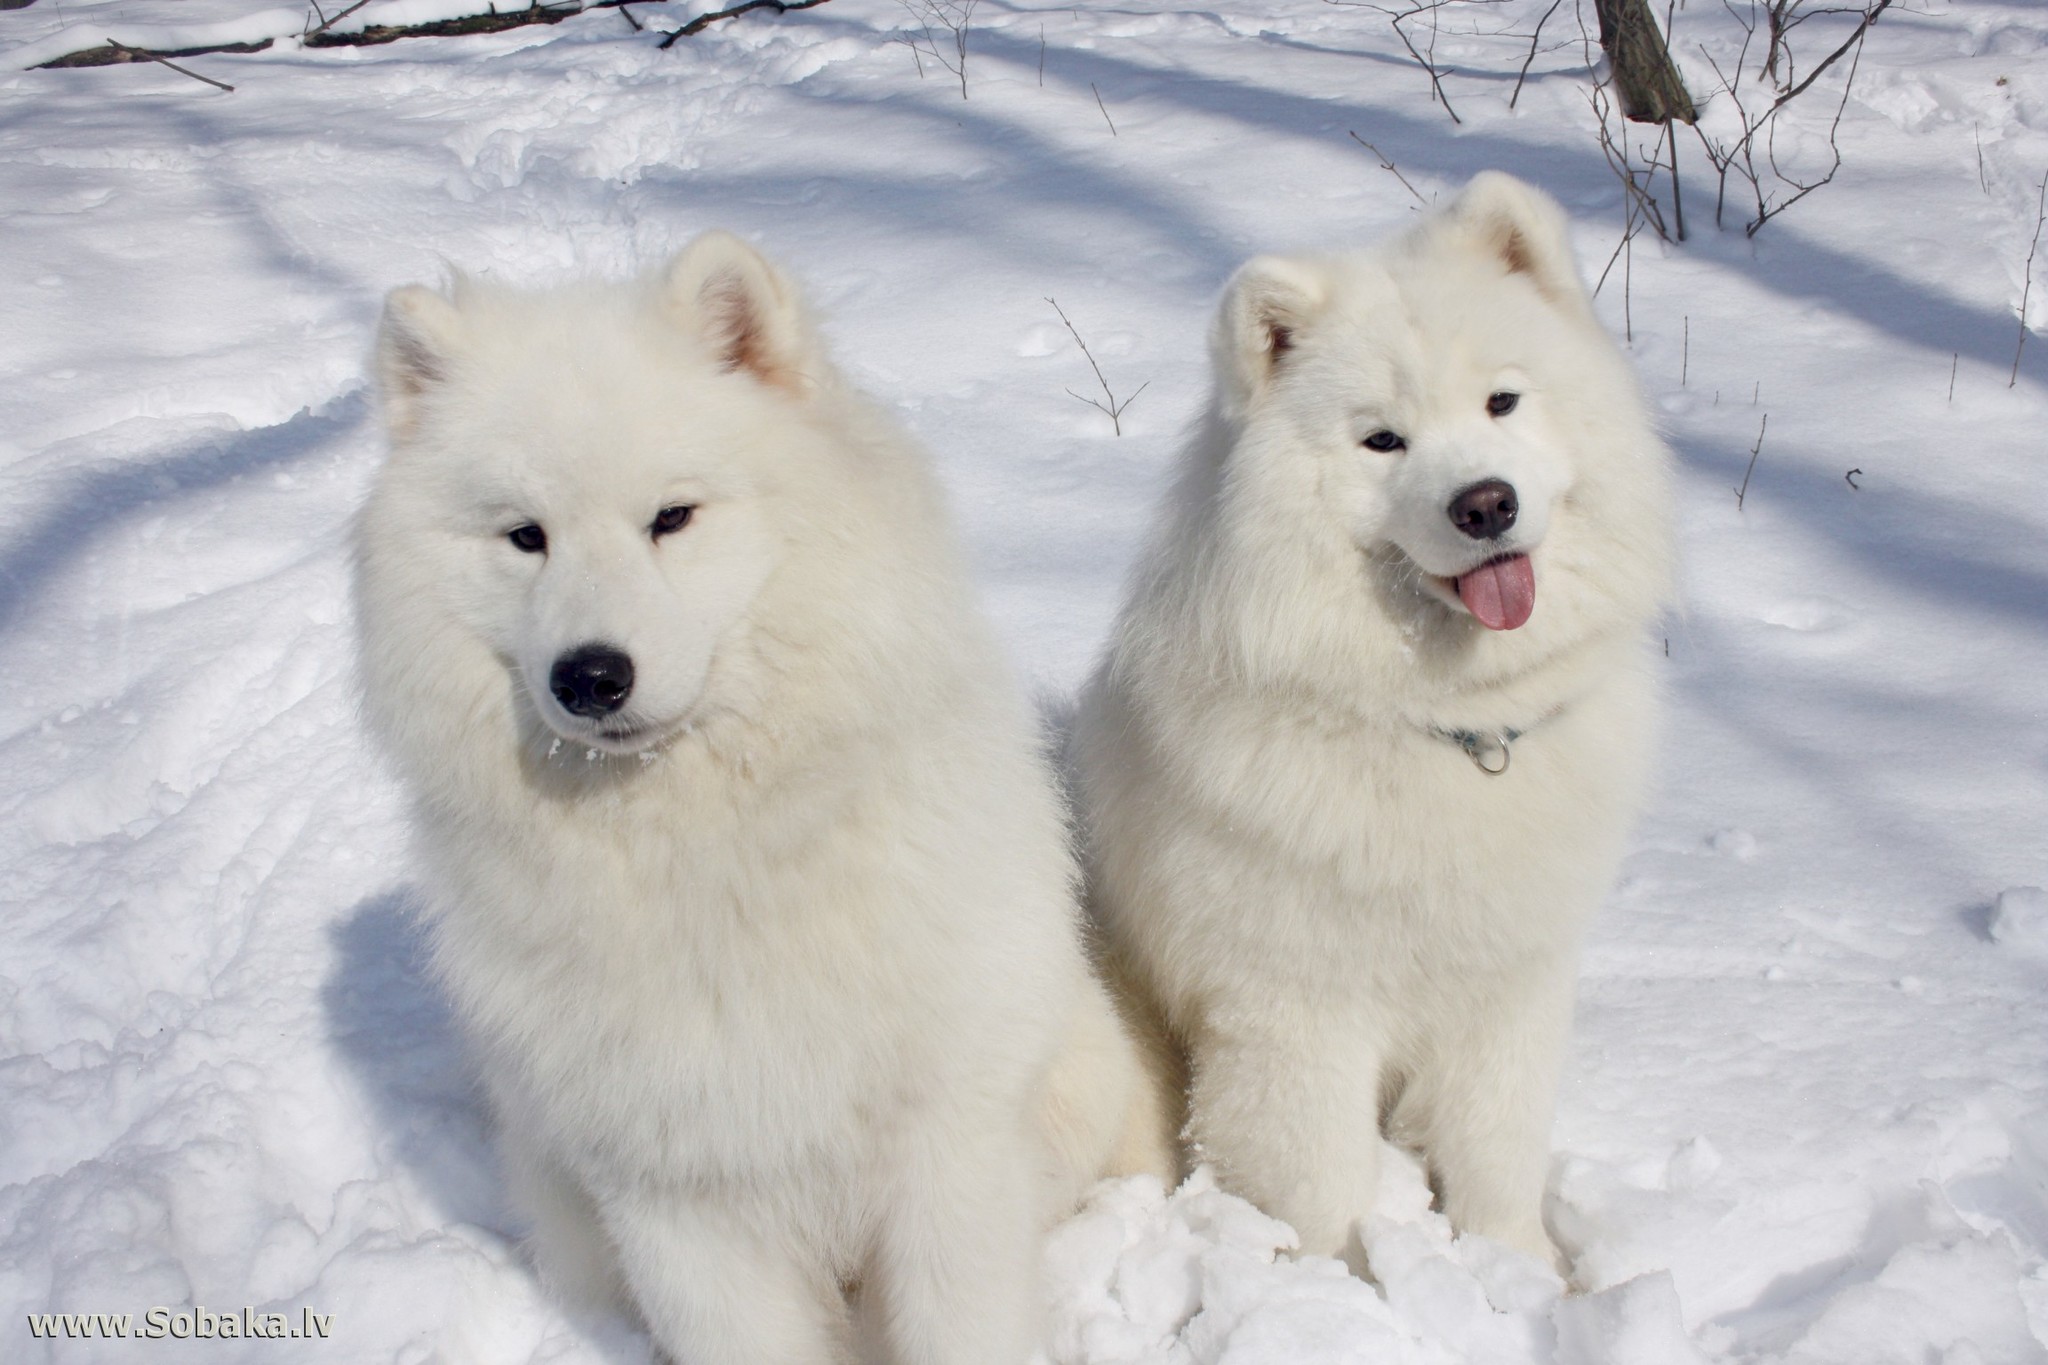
1500, 594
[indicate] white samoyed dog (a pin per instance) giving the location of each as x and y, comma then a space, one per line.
747, 877
1422, 532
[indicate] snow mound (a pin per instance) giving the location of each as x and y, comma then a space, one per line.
2019, 919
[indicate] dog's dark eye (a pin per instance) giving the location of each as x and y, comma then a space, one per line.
529, 538
1385, 440
1502, 403
670, 519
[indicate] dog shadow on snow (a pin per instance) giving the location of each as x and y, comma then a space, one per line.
394, 1028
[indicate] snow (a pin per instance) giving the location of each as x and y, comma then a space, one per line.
1806, 1115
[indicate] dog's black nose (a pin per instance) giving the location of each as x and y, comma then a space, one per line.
593, 680
1485, 510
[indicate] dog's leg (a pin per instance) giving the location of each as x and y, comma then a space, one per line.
568, 1244
715, 1290
1106, 1111
1290, 1117
955, 1278
1480, 1110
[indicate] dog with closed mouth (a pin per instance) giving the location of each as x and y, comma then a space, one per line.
746, 874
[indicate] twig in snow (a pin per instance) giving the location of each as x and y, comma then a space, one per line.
1628, 276
704, 21
1850, 478
1104, 108
1983, 181
951, 16
491, 21
326, 23
1425, 60
1534, 39
1113, 407
1740, 156
1754, 451
1854, 40
1387, 164
1955, 358
223, 85
1685, 353
2027, 289
1628, 233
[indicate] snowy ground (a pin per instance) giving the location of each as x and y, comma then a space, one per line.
1806, 1118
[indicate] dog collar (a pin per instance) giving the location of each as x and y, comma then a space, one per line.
1490, 750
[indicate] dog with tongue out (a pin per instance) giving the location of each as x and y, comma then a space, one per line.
1353, 919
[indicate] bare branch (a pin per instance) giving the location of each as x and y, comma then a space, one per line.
1104, 108
1387, 164
953, 17
1754, 451
1113, 408
1527, 61
2027, 289
704, 21
1854, 40
165, 61
326, 24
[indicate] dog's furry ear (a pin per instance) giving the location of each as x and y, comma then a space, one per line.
748, 312
1526, 230
1265, 306
420, 332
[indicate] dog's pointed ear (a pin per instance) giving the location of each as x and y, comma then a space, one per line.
1265, 307
1525, 230
419, 335
745, 310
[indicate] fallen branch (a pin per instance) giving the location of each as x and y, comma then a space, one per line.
326, 24
376, 35
134, 52
218, 84
704, 21
116, 54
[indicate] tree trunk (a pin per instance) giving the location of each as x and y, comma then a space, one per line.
1651, 91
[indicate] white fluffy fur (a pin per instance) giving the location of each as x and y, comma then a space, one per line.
1347, 924
775, 977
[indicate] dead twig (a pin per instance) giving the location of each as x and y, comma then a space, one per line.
1769, 181
1113, 408
2027, 289
1104, 108
115, 54
1854, 40
1436, 82
376, 35
326, 23
951, 16
1527, 61
1387, 164
1754, 451
704, 21
218, 85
